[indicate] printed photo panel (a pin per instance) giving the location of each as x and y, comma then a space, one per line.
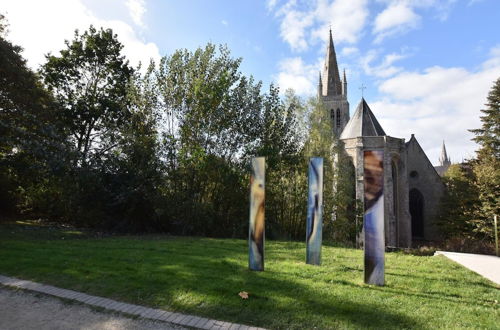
314, 223
373, 223
257, 224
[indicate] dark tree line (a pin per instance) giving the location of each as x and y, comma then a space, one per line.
91, 141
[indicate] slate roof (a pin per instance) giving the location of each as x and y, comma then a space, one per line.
362, 123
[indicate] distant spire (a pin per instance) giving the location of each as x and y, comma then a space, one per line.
443, 159
344, 85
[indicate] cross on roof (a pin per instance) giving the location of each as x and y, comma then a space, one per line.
362, 87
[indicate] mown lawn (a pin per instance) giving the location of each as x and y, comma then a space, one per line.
203, 276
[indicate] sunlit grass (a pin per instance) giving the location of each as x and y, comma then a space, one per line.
203, 276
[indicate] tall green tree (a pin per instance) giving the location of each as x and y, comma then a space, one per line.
488, 136
207, 108
278, 126
487, 166
278, 139
139, 172
89, 80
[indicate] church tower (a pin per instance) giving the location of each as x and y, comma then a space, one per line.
332, 91
444, 162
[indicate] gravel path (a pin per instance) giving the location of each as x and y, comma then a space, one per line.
21, 310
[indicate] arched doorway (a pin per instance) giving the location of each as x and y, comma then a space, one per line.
417, 213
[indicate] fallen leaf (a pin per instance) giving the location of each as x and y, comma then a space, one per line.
243, 295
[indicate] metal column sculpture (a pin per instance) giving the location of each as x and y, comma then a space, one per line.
256, 228
314, 225
374, 217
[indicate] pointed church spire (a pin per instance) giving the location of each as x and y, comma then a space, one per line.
331, 38
443, 159
331, 77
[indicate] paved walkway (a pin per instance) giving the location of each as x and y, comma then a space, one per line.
484, 265
177, 319
27, 310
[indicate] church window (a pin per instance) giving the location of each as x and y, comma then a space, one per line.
332, 114
414, 174
338, 117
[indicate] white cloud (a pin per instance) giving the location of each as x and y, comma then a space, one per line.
271, 4
224, 22
137, 9
299, 76
303, 25
385, 68
294, 26
347, 18
346, 51
43, 29
437, 104
398, 17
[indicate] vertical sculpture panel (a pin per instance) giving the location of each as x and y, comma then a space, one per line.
314, 225
374, 216
256, 228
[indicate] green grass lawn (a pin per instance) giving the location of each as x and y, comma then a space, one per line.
203, 276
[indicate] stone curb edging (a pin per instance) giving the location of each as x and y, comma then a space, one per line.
135, 310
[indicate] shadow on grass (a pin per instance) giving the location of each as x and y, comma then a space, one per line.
204, 276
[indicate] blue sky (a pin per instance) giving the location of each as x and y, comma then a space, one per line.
427, 64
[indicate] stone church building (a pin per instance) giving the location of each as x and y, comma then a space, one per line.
412, 185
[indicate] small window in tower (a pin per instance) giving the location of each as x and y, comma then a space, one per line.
338, 117
332, 114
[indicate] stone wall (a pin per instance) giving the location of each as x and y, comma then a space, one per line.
396, 211
423, 177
